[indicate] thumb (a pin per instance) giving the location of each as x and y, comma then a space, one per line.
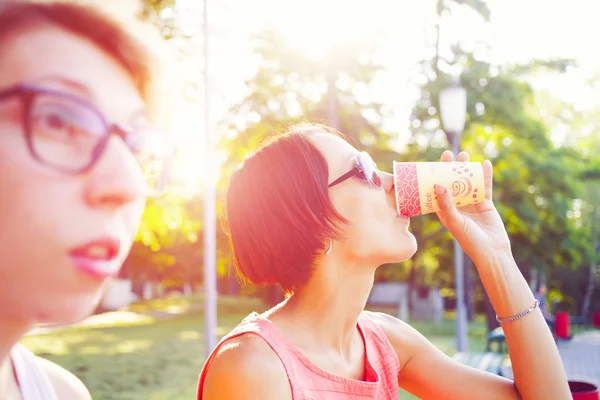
448, 214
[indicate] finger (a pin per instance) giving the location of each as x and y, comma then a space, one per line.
488, 178
463, 156
448, 214
447, 156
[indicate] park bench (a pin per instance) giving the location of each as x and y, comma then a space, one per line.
494, 360
580, 320
496, 337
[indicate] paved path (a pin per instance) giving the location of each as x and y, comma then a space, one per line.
581, 357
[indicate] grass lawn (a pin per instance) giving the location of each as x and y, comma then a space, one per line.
131, 356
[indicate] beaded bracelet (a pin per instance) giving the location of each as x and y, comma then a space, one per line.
535, 305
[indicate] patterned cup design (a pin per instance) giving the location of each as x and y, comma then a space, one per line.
414, 184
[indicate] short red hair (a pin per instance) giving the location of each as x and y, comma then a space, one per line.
88, 23
279, 212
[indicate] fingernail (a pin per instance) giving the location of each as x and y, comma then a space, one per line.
439, 189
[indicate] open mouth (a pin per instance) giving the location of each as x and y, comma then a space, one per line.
98, 258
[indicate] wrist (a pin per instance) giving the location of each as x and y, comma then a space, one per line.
499, 259
505, 285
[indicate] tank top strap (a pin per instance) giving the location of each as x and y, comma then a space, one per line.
259, 326
382, 353
34, 383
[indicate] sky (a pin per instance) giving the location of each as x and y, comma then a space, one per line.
520, 30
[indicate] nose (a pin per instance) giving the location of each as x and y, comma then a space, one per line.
387, 181
116, 179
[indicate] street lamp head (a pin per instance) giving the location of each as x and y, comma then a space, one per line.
453, 109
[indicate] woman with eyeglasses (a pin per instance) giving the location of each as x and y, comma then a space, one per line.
310, 213
78, 157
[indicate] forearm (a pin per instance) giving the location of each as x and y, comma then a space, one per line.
537, 367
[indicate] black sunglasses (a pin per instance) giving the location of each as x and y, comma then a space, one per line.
365, 169
69, 134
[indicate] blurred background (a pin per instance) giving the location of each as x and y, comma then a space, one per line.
373, 70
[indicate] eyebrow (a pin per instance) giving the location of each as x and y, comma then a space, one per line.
85, 91
69, 83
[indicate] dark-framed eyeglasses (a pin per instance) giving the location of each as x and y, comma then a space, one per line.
69, 134
365, 169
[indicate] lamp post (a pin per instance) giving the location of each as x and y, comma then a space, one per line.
210, 246
453, 110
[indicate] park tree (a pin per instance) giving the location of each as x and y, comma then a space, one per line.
290, 87
166, 247
536, 181
575, 125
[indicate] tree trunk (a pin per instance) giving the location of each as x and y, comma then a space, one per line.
412, 276
533, 280
469, 304
436, 60
591, 285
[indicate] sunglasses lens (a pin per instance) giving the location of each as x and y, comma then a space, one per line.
370, 170
376, 179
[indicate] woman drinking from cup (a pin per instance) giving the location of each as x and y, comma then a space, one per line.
309, 212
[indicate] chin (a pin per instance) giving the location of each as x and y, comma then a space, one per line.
407, 250
68, 311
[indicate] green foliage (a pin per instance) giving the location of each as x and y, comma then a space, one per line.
542, 186
538, 181
167, 241
290, 87
479, 6
162, 14
167, 244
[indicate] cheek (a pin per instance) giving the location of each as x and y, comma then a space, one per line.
30, 202
20, 202
30, 226
366, 208
132, 216
368, 215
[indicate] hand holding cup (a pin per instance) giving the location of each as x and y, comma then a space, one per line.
475, 224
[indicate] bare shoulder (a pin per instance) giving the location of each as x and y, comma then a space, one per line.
405, 339
66, 385
393, 327
246, 368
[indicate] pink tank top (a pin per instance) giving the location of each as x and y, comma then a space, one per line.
309, 382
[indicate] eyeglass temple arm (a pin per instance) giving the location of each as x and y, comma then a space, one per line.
354, 171
8, 92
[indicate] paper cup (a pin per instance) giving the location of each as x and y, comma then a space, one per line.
414, 185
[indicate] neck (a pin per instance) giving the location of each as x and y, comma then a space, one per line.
328, 307
12, 331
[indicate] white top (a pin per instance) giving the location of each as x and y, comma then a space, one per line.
34, 383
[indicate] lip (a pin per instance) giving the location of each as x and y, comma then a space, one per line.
99, 267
